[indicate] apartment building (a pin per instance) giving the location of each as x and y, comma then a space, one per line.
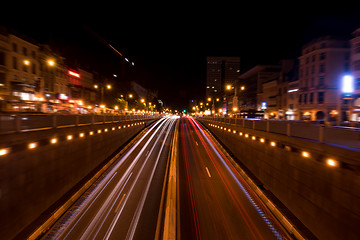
322, 64
355, 70
19, 68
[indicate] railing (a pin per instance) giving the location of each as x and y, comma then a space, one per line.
343, 136
11, 123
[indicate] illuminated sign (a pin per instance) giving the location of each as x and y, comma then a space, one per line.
348, 84
73, 73
263, 105
63, 96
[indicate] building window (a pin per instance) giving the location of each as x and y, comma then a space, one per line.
300, 98
305, 98
14, 63
14, 47
321, 80
320, 99
311, 100
322, 68
322, 56
2, 78
33, 68
25, 51
2, 58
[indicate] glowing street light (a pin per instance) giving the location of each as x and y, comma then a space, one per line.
51, 62
228, 87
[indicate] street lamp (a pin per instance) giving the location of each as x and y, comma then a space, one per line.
51, 62
102, 86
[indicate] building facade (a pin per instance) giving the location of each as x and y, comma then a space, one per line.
355, 70
251, 92
19, 74
221, 71
322, 64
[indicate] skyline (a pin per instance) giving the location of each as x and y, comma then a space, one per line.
172, 58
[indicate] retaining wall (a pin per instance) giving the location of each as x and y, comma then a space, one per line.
33, 180
325, 198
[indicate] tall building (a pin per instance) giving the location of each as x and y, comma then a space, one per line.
323, 63
221, 71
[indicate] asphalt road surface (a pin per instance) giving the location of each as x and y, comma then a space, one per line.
124, 203
215, 202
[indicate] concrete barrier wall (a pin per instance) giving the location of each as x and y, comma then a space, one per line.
324, 198
32, 180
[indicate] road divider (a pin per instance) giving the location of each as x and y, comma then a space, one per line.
169, 198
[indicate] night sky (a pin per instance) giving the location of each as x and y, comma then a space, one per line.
169, 43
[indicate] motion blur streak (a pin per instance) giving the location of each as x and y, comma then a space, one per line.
216, 207
124, 202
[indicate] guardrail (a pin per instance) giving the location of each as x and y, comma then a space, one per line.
11, 123
342, 136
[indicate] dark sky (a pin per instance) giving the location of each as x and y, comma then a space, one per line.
169, 43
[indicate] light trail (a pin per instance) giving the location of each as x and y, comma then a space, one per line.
140, 206
100, 213
236, 178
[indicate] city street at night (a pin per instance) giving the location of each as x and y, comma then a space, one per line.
177, 122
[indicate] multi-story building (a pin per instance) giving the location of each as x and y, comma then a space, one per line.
355, 70
221, 71
323, 63
19, 73
250, 85
52, 71
273, 96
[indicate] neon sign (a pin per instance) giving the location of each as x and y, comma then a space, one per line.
73, 73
